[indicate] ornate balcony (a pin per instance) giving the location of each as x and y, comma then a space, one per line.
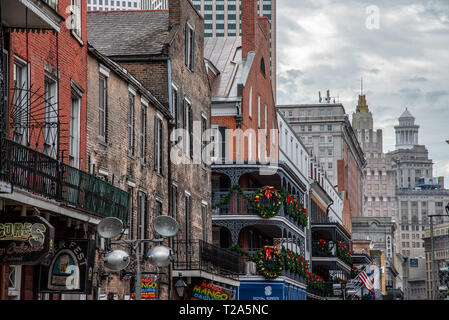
202, 257
44, 176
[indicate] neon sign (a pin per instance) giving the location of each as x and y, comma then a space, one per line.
208, 291
148, 289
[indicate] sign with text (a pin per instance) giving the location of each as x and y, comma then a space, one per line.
203, 290
71, 269
25, 240
148, 289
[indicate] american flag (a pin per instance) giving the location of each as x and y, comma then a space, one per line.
367, 282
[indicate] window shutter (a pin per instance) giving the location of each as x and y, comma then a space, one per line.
192, 50
191, 131
162, 147
184, 126
222, 138
156, 144
187, 44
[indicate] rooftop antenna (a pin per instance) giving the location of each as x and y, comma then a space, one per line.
319, 95
361, 86
328, 98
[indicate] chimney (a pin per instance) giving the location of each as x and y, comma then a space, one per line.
249, 18
174, 12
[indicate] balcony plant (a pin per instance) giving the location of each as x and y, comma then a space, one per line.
322, 248
295, 209
269, 262
344, 253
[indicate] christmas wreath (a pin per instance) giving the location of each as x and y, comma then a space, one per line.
269, 262
264, 210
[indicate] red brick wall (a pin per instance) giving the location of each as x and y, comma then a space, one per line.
72, 65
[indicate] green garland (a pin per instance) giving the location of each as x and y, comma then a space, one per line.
295, 209
226, 197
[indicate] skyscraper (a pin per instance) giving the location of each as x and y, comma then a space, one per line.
109, 5
222, 18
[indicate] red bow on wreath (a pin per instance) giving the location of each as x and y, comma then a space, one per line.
268, 191
268, 251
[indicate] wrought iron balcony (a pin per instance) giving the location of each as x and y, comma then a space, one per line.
203, 256
237, 204
330, 249
42, 175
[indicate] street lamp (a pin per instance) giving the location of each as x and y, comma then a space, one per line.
159, 256
180, 286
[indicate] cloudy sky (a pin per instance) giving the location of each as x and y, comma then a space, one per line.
403, 57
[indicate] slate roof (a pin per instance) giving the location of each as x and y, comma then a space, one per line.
128, 33
226, 55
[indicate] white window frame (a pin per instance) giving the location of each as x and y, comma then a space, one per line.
51, 115
14, 291
250, 104
258, 111
75, 130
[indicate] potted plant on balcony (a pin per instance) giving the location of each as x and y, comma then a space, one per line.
295, 209
344, 253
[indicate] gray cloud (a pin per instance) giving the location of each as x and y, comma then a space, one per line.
402, 63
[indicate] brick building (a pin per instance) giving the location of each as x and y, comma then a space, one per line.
43, 153
170, 64
139, 164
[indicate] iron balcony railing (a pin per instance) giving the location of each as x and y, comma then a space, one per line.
45, 176
237, 204
200, 255
330, 249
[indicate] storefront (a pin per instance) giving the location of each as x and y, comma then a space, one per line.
270, 290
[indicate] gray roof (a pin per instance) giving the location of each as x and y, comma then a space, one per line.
406, 114
128, 33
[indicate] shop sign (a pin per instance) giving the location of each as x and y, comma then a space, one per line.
262, 290
25, 240
148, 289
207, 291
71, 269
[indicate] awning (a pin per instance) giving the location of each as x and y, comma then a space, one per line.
40, 15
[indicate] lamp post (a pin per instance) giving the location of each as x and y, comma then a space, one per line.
159, 256
432, 248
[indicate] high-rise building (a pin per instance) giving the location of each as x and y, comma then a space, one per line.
222, 18
110, 5
154, 4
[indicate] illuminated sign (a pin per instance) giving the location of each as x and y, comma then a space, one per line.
71, 269
25, 240
208, 291
148, 289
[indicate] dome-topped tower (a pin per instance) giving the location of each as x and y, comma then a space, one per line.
406, 131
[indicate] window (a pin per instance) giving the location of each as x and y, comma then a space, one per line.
262, 66
75, 11
75, 131
158, 145
143, 134
190, 47
14, 282
322, 127
203, 140
329, 152
250, 105
266, 120
329, 165
51, 117
290, 113
303, 128
130, 214
309, 128
187, 208
102, 108
258, 111
309, 139
143, 219
329, 127
130, 124
20, 103
174, 199
321, 139
204, 219
157, 208
329, 139
175, 101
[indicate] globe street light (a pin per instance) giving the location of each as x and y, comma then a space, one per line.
159, 256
